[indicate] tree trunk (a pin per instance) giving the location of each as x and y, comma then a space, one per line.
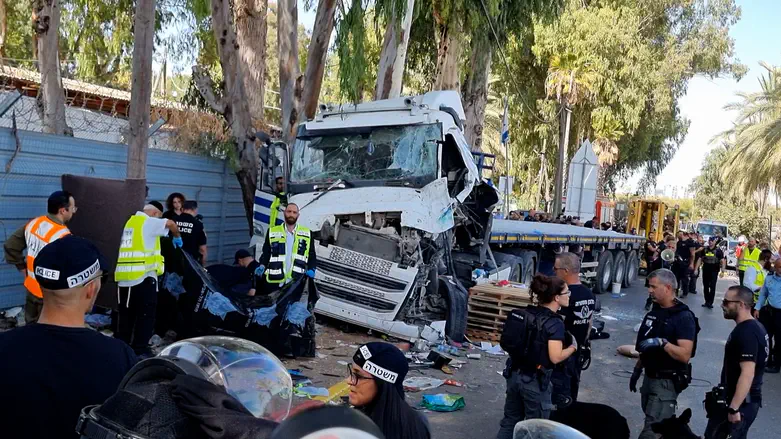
448, 54
251, 29
141, 88
394, 55
289, 71
3, 27
46, 27
233, 105
564, 122
315, 65
475, 93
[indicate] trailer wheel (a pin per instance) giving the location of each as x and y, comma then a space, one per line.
619, 266
457, 296
604, 273
632, 269
527, 267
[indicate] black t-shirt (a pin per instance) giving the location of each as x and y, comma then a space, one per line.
747, 342
683, 249
674, 323
576, 316
49, 373
192, 233
711, 258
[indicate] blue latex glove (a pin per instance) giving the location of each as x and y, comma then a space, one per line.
259, 271
178, 243
310, 273
651, 343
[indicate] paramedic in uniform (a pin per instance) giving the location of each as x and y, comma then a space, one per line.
33, 237
666, 342
139, 264
287, 253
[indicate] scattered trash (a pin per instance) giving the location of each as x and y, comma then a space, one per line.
473, 356
443, 402
489, 348
439, 358
309, 391
451, 350
609, 318
155, 341
447, 369
321, 356
420, 345
343, 363
418, 384
219, 305
354, 346
449, 382
327, 374
97, 321
478, 273
430, 334
456, 364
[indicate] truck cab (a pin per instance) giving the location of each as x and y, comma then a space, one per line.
387, 188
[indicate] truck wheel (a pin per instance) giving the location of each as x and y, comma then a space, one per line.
619, 266
604, 273
632, 268
527, 268
457, 296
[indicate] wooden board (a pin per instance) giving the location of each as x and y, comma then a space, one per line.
488, 308
480, 335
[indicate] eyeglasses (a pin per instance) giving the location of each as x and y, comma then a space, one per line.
73, 209
566, 293
354, 378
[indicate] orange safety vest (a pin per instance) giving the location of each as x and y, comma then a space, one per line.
38, 233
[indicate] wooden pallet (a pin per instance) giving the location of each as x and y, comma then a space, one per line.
488, 308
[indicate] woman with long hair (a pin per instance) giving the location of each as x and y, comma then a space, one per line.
376, 389
535, 339
174, 205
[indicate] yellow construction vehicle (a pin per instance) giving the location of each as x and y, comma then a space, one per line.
651, 218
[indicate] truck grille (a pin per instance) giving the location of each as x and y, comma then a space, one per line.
362, 277
372, 303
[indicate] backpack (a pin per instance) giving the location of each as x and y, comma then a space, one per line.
520, 337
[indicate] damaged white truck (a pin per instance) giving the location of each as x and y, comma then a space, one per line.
401, 219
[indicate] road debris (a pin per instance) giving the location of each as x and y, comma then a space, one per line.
488, 347
418, 384
443, 402
473, 356
310, 392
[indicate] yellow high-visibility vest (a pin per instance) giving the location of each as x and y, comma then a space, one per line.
135, 260
277, 272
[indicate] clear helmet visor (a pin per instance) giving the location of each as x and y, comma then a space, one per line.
247, 371
545, 429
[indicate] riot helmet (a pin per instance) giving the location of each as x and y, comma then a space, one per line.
545, 429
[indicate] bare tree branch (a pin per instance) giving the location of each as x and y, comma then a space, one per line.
205, 86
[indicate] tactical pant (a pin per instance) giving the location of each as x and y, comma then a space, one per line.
566, 381
709, 278
741, 274
658, 399
32, 308
766, 319
137, 308
717, 426
527, 397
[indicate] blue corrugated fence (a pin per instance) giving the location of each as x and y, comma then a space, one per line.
42, 159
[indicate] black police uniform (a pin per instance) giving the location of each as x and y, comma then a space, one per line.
525, 337
566, 375
683, 261
193, 235
747, 342
665, 377
711, 265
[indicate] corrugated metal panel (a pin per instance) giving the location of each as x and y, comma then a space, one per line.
36, 169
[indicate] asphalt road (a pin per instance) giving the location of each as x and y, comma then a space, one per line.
484, 396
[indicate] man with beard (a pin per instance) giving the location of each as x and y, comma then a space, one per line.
287, 253
744, 362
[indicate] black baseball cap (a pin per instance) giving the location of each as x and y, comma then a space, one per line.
241, 254
68, 262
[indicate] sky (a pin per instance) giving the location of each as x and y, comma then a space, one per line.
756, 38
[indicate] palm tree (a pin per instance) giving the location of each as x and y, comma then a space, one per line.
753, 161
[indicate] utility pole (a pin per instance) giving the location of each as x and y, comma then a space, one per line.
141, 89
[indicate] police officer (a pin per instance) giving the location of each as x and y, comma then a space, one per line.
749, 253
744, 362
287, 253
768, 310
666, 343
713, 263
191, 228
684, 262
577, 321
279, 203
535, 339
139, 264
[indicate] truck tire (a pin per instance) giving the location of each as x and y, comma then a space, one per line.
619, 266
632, 269
457, 296
604, 273
528, 267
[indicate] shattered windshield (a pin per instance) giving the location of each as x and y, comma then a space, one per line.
712, 229
375, 153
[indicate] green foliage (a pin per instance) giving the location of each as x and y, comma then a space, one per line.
18, 44
714, 199
353, 64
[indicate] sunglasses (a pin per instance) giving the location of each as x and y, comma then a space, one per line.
355, 377
726, 302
